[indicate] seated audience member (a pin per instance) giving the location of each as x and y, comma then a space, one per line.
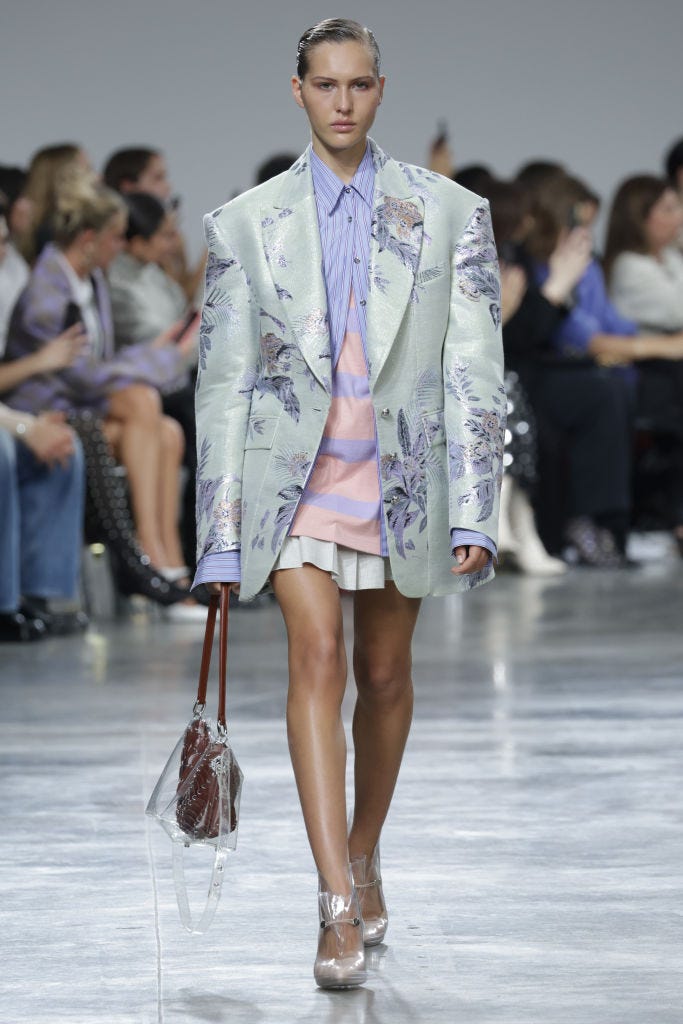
518, 539
673, 166
67, 285
19, 207
273, 166
14, 271
535, 175
643, 266
474, 177
145, 300
49, 169
141, 169
578, 403
41, 525
644, 269
593, 328
593, 332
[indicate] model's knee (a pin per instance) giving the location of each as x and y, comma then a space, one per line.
317, 659
382, 680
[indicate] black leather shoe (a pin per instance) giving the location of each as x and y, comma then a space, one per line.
16, 627
57, 623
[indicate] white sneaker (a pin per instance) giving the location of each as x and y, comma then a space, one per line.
185, 612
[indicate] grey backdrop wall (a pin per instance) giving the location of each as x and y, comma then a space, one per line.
596, 84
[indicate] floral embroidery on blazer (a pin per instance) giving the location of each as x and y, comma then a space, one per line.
434, 370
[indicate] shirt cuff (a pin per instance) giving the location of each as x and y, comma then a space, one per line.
466, 537
220, 567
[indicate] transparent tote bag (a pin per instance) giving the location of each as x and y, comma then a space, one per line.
196, 800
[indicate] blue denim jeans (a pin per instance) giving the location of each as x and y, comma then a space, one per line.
41, 524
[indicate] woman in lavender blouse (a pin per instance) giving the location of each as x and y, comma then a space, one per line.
67, 285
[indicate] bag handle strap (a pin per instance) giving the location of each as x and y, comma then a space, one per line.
223, 654
224, 603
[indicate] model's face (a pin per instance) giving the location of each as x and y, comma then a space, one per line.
154, 179
340, 94
664, 221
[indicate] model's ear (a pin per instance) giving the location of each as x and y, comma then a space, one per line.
296, 90
382, 80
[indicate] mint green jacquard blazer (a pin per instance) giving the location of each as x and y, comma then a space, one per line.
435, 370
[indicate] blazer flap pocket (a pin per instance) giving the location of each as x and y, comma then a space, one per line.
261, 431
433, 426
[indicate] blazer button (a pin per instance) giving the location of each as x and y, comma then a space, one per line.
385, 413
395, 499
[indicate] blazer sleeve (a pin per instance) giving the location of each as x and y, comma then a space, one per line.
228, 357
474, 396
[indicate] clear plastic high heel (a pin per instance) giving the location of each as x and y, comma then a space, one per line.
340, 962
367, 879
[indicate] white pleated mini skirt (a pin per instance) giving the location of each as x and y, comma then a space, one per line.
350, 570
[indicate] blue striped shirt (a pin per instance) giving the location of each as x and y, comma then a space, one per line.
345, 222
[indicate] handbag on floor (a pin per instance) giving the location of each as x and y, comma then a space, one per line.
196, 800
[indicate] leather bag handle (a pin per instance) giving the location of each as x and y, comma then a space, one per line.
224, 603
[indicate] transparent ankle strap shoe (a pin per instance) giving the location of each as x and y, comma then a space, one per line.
367, 879
340, 962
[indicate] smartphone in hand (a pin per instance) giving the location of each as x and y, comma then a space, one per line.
441, 133
72, 315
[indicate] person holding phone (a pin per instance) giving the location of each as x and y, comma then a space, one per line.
350, 414
121, 388
147, 301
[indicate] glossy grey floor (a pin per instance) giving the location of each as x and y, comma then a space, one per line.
532, 861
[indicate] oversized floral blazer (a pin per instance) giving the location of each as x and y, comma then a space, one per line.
435, 370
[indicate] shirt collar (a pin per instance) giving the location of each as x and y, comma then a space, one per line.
81, 287
329, 188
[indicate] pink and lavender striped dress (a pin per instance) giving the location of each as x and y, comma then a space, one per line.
341, 501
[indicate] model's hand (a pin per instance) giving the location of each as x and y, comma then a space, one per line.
215, 588
49, 438
512, 289
62, 350
470, 558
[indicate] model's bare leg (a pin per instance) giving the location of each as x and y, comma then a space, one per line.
384, 621
172, 449
137, 410
311, 607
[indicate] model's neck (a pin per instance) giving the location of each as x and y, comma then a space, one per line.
344, 163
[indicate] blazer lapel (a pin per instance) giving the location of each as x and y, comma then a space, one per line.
291, 242
395, 247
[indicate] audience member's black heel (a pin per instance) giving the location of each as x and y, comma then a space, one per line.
108, 519
15, 627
